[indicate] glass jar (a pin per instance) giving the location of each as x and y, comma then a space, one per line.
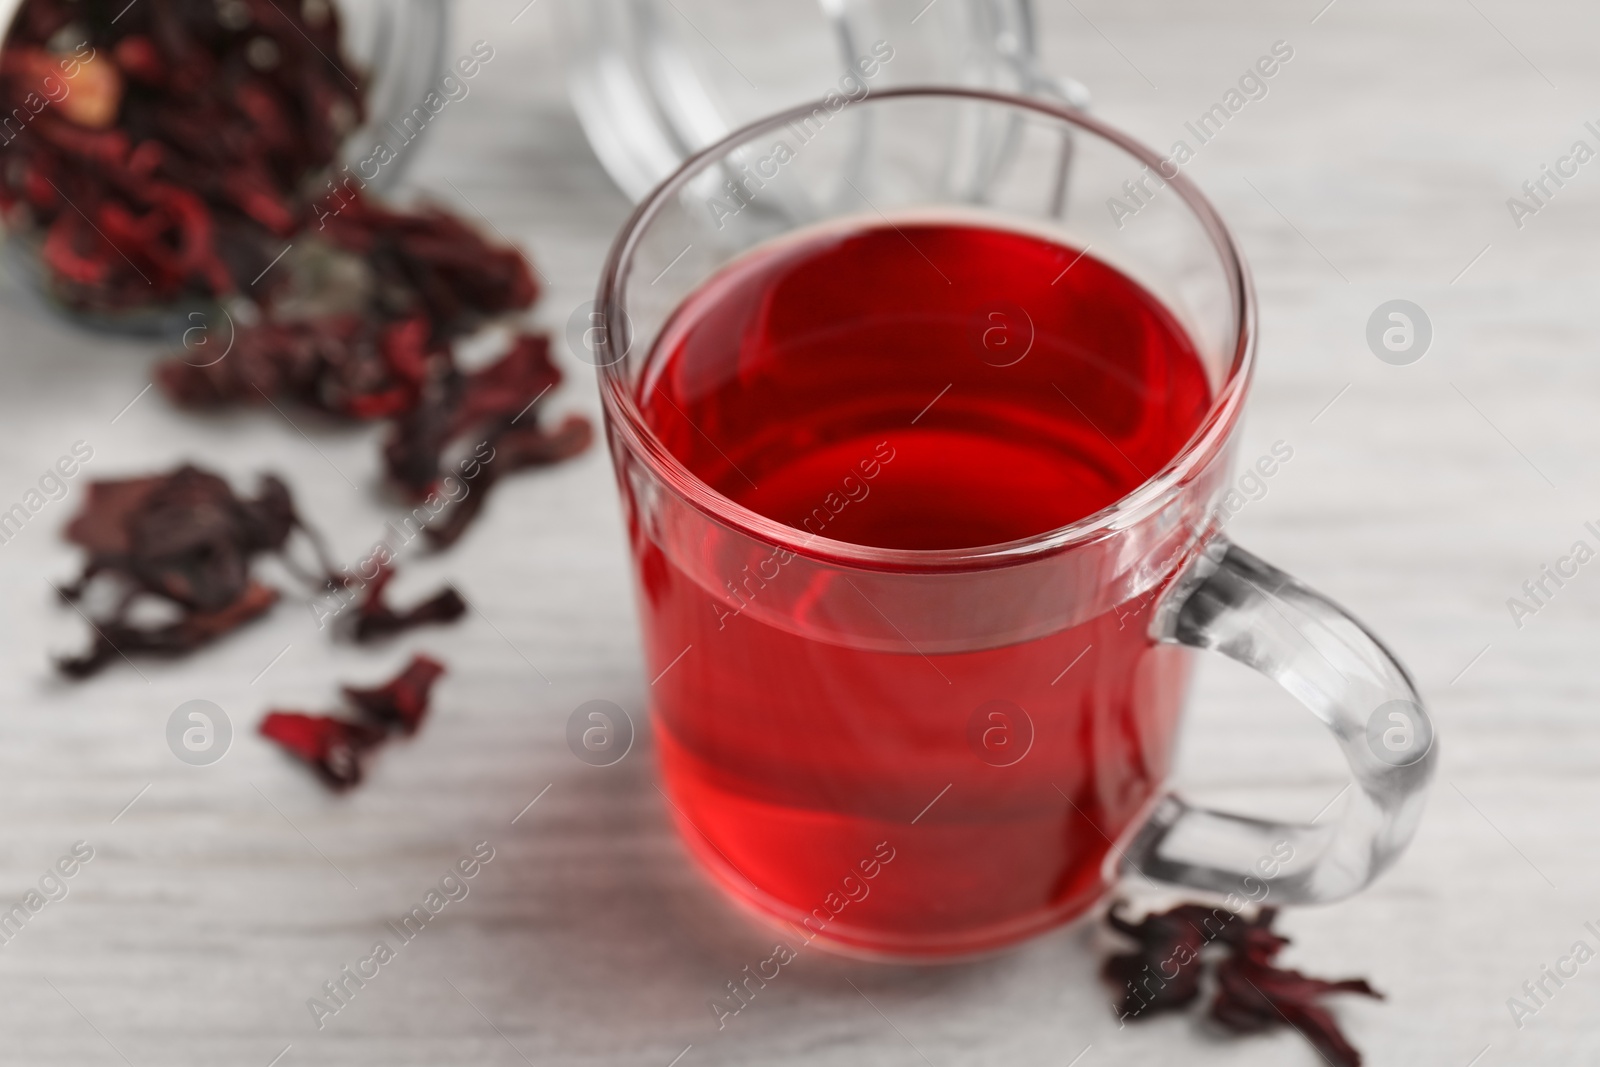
654, 81
399, 49
401, 45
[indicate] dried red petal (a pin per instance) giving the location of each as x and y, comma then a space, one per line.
334, 747
515, 449
505, 388
407, 353
449, 268
414, 451
496, 408
101, 525
140, 60
74, 251
402, 701
1252, 994
339, 364
1252, 998
1163, 973
187, 538
105, 148
251, 190
375, 619
114, 638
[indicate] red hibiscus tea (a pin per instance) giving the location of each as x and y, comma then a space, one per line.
927, 386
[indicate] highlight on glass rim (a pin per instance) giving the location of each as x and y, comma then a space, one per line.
695, 532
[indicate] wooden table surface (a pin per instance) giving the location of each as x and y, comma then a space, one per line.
219, 899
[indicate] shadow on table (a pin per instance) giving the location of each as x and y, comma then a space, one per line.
606, 943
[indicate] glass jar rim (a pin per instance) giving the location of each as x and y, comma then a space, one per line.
1156, 492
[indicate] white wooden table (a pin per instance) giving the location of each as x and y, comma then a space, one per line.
1378, 167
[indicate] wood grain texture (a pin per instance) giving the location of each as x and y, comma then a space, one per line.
1377, 167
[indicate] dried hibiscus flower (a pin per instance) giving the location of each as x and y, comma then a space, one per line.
403, 701
115, 637
336, 747
1254, 995
1163, 973
513, 449
184, 535
187, 541
498, 407
366, 366
375, 619
1166, 970
343, 364
428, 262
184, 538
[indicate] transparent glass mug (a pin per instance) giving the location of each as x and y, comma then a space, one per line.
887, 810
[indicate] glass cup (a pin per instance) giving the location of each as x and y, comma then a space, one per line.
970, 746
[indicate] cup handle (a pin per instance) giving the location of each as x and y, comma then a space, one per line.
1234, 603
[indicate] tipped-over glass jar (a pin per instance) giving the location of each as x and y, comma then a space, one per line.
151, 154
655, 81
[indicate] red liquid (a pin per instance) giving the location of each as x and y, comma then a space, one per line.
843, 383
